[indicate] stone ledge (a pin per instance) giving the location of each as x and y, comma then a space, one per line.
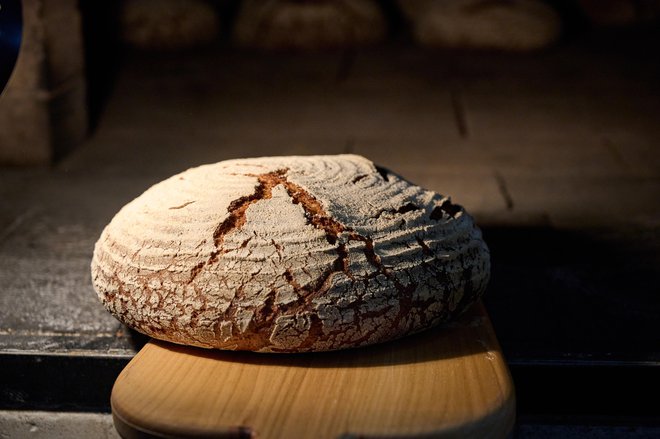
56, 425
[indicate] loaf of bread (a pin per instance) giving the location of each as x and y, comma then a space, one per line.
512, 25
168, 24
309, 24
288, 254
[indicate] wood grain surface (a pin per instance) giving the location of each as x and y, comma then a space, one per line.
447, 382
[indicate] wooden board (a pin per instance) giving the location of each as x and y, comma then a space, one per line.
447, 382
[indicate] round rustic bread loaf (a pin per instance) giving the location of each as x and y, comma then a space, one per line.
168, 24
514, 25
288, 254
309, 24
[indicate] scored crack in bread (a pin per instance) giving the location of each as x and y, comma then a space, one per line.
288, 254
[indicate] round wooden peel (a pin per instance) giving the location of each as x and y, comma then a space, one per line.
447, 382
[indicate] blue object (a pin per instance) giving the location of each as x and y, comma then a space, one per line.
10, 37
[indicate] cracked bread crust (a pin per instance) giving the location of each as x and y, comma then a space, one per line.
288, 254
